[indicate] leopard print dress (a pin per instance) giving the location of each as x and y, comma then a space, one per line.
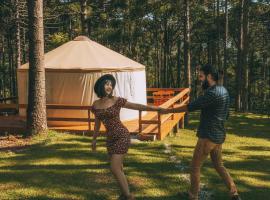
118, 137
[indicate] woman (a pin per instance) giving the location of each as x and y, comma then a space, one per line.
107, 110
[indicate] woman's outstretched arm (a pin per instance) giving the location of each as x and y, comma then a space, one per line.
179, 109
137, 106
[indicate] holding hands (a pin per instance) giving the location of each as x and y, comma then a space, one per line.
174, 110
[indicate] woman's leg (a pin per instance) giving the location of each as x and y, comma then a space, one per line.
117, 170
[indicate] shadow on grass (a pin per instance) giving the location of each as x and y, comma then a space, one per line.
68, 168
239, 124
249, 185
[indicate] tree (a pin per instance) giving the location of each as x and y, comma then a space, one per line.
187, 44
84, 26
242, 68
36, 110
226, 34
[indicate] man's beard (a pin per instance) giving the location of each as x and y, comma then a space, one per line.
205, 85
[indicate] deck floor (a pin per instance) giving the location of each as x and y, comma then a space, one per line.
17, 124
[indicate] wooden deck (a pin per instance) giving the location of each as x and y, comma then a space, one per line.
150, 126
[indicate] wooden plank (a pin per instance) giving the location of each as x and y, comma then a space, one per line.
149, 121
170, 102
12, 124
62, 106
169, 125
65, 119
8, 99
154, 128
165, 89
8, 106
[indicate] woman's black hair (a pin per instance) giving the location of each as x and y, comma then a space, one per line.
99, 87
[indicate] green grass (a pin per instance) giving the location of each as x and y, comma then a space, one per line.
61, 166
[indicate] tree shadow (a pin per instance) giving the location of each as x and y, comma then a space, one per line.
240, 125
248, 174
69, 168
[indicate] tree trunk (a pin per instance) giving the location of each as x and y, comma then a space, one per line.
187, 45
238, 98
264, 77
187, 50
84, 25
4, 67
24, 46
178, 63
245, 54
251, 80
218, 40
10, 65
18, 42
165, 54
226, 33
36, 110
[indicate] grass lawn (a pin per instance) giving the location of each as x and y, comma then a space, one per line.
61, 166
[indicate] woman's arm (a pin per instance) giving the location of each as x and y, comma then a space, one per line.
137, 106
96, 132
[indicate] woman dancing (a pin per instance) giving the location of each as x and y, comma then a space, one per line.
107, 110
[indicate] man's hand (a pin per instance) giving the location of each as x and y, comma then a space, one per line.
94, 145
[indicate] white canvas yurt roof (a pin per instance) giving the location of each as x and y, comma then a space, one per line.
83, 54
72, 70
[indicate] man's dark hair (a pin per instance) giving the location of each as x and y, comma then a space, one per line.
209, 69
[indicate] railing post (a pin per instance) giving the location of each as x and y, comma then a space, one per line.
182, 122
159, 126
89, 121
140, 121
172, 118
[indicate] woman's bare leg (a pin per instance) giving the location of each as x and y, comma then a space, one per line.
117, 170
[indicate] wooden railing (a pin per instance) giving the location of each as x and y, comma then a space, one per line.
89, 119
8, 99
5, 109
181, 98
155, 119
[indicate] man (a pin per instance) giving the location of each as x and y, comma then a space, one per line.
214, 106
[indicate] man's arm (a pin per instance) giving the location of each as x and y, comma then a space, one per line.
201, 102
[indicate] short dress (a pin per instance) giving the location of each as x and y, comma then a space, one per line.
118, 137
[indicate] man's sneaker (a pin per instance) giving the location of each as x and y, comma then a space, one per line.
236, 197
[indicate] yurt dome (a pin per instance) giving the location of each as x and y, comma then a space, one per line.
72, 69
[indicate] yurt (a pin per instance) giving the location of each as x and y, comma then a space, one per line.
71, 71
